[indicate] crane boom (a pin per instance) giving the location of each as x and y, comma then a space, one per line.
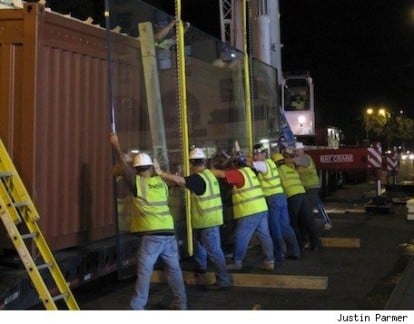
265, 29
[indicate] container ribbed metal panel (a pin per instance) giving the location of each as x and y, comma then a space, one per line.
55, 121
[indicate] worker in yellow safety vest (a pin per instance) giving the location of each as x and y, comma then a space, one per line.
282, 233
206, 217
300, 211
250, 211
310, 180
153, 222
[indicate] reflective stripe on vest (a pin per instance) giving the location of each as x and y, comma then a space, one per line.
207, 209
309, 175
249, 199
270, 181
151, 211
290, 181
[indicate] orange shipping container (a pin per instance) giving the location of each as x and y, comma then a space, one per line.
55, 121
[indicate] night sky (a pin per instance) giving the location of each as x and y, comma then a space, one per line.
359, 52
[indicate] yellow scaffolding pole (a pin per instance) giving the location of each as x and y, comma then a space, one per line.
249, 126
182, 102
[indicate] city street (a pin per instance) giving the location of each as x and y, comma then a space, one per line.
358, 277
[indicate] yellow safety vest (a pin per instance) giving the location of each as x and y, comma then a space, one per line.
151, 212
164, 44
309, 175
270, 181
207, 209
291, 182
249, 199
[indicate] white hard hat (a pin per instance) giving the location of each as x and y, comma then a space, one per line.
197, 153
299, 146
142, 159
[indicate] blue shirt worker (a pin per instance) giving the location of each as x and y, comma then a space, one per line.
249, 211
206, 216
300, 210
282, 233
151, 219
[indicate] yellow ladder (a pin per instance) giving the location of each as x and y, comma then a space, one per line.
17, 211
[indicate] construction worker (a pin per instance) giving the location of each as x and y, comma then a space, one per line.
164, 29
249, 211
162, 35
153, 222
300, 211
310, 180
281, 231
298, 103
206, 217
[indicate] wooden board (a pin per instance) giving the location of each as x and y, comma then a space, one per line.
255, 280
341, 242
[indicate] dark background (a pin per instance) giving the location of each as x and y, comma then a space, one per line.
359, 53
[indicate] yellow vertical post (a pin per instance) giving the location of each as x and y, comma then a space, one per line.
249, 127
182, 102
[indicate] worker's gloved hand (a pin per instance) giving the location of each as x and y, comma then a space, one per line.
157, 167
118, 170
114, 141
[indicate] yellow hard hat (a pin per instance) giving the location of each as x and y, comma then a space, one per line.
277, 157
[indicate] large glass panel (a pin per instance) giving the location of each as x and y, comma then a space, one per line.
215, 94
144, 100
265, 105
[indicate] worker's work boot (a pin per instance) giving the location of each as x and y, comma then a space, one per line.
237, 265
327, 226
269, 265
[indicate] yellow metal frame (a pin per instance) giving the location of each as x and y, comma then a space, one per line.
182, 102
249, 126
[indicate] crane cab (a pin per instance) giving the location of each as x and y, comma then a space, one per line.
298, 104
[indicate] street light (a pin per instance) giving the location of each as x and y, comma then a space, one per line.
368, 114
375, 119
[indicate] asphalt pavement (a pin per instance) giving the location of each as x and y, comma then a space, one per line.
358, 277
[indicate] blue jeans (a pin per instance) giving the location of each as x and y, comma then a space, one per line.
247, 226
152, 247
281, 231
208, 245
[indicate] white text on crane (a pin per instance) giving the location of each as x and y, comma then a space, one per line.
337, 158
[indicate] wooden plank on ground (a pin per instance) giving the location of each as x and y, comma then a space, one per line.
255, 280
341, 242
346, 210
